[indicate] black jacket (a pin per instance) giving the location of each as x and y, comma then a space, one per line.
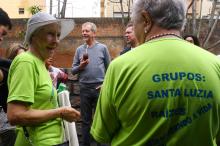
4, 66
125, 50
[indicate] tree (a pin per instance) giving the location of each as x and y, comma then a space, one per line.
200, 19
194, 23
51, 6
212, 22
63, 10
34, 9
61, 13
123, 10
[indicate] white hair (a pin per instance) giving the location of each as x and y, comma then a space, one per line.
93, 26
168, 14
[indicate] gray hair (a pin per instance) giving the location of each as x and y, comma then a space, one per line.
168, 14
93, 26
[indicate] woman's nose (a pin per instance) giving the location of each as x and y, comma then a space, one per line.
56, 38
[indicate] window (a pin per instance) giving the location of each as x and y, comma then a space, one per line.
21, 11
119, 14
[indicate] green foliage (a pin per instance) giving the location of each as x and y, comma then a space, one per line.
34, 9
21, 34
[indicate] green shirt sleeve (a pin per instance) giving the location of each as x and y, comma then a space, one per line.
21, 78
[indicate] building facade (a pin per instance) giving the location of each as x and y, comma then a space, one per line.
21, 8
112, 9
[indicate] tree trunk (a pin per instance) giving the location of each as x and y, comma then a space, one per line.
51, 6
129, 9
63, 10
212, 13
211, 31
190, 5
194, 17
122, 9
211, 25
200, 19
122, 12
58, 11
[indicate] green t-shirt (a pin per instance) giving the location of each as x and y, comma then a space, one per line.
162, 93
29, 81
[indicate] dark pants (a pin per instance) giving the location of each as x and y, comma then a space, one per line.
88, 99
7, 132
7, 138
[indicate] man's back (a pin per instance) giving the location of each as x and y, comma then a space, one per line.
167, 96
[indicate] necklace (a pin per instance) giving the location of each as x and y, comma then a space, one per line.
162, 35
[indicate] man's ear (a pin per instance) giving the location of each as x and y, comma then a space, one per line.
94, 34
147, 21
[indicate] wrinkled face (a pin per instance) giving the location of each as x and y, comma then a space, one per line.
46, 40
189, 39
87, 33
3, 32
129, 35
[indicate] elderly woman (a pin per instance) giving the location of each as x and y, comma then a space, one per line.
32, 101
164, 92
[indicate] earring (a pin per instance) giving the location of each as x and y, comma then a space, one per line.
145, 30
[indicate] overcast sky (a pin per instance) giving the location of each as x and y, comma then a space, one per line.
78, 8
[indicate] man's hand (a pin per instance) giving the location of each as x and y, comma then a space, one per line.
83, 63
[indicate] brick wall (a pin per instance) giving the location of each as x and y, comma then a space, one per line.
109, 31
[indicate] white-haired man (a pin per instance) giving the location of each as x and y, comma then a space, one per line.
91, 61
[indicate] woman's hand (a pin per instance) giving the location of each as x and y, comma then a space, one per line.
20, 113
69, 114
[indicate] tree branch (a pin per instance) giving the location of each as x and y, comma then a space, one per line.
214, 45
190, 5
211, 31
